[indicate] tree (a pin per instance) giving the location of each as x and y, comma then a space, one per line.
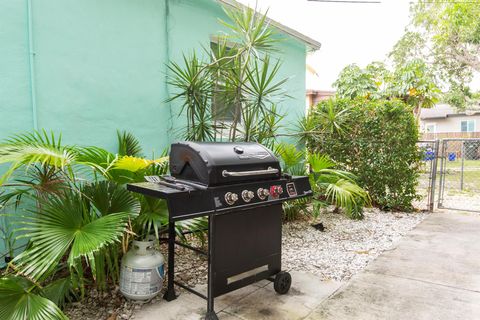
412, 82
446, 35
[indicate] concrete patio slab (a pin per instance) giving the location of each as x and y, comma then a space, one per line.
434, 273
254, 302
374, 296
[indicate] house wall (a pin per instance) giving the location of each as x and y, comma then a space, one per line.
451, 123
86, 68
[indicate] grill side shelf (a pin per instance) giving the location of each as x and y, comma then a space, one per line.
182, 205
153, 189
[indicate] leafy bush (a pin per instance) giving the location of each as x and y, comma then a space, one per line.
375, 140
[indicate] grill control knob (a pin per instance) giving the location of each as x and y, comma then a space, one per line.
276, 191
247, 195
263, 193
231, 198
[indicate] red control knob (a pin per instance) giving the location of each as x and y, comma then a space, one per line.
275, 191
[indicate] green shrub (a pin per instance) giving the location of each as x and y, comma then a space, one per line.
376, 141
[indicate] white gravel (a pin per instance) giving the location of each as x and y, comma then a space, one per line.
343, 249
346, 246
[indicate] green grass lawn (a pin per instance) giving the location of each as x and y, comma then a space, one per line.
471, 180
471, 176
467, 164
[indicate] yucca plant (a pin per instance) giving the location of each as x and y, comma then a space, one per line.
240, 79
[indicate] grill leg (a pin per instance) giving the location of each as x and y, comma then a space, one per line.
211, 315
170, 294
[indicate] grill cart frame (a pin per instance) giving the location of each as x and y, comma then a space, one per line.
244, 237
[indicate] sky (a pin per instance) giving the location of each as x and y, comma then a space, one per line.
349, 33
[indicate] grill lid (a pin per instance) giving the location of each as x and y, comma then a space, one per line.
218, 163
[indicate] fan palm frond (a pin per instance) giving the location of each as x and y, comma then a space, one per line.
36, 148
20, 301
65, 227
109, 197
292, 158
348, 196
135, 164
96, 158
153, 217
319, 162
58, 291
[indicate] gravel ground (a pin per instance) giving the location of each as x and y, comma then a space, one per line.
462, 201
344, 248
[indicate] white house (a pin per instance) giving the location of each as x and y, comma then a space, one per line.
444, 121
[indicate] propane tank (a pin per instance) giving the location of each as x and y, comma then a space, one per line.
142, 271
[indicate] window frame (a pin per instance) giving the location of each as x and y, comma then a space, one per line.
468, 121
224, 121
434, 125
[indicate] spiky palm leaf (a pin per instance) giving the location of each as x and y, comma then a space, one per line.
21, 300
65, 226
250, 29
332, 117
128, 144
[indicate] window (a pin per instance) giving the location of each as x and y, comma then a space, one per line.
431, 128
225, 108
467, 126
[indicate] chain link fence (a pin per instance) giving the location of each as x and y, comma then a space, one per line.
427, 179
459, 174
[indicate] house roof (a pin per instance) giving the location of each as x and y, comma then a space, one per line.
442, 111
313, 44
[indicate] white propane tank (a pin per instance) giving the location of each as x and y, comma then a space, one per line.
142, 271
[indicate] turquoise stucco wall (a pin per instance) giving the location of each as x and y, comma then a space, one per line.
90, 67
100, 65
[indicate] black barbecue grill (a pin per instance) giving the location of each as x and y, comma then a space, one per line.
240, 188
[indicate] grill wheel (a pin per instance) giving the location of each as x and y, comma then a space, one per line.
282, 282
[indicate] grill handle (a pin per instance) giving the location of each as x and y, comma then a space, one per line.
270, 170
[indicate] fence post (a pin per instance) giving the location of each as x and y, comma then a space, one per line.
441, 185
433, 179
463, 165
